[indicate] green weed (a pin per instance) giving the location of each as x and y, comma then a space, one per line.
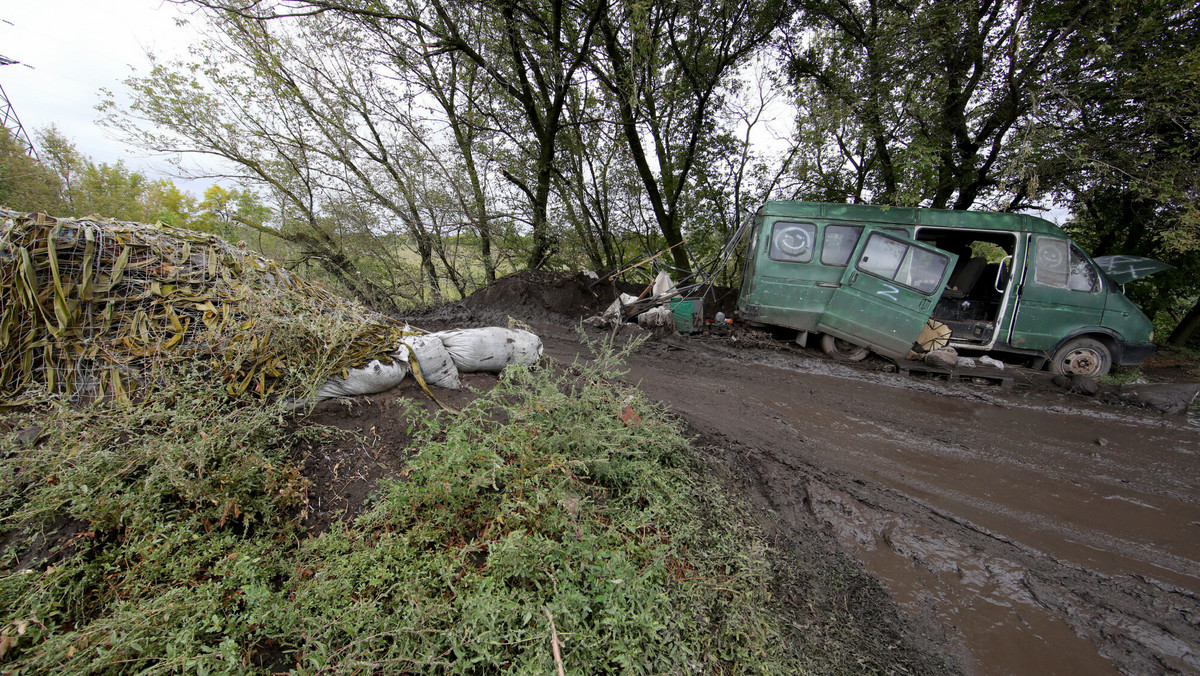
164, 538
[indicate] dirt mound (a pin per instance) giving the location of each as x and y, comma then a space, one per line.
565, 293
565, 297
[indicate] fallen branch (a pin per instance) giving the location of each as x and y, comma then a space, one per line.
554, 642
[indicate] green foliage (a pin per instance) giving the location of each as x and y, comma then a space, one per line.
25, 183
1132, 142
177, 545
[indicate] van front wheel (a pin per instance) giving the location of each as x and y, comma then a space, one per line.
843, 350
1082, 357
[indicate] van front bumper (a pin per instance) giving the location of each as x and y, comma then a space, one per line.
1133, 354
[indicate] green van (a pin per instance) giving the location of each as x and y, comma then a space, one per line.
871, 277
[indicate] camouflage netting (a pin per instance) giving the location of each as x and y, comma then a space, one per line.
93, 308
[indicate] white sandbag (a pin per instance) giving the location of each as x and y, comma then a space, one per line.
490, 349
613, 313
663, 286
994, 363
658, 317
436, 366
373, 378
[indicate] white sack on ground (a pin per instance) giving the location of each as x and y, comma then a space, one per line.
988, 361
373, 378
613, 313
658, 317
434, 361
490, 349
663, 286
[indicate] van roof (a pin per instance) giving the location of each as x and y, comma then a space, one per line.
942, 218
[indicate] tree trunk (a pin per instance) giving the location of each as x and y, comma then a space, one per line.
1187, 327
544, 245
341, 267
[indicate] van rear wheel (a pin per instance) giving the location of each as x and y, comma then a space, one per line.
843, 350
1082, 357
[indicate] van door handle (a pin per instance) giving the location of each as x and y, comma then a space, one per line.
853, 277
829, 285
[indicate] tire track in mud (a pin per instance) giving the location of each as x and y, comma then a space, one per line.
1023, 531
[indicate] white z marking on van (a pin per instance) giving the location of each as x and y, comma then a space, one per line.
891, 293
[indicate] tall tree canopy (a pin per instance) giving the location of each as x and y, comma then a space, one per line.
929, 103
571, 131
1126, 117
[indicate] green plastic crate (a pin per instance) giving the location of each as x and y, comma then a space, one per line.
689, 314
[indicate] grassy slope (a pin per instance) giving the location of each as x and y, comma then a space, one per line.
536, 512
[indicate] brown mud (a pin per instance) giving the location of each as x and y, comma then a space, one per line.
1020, 529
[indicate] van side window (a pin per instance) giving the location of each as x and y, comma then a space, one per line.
838, 244
1083, 275
793, 242
1063, 266
903, 263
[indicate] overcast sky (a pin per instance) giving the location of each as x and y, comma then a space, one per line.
69, 50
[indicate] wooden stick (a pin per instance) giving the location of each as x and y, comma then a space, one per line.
554, 642
644, 261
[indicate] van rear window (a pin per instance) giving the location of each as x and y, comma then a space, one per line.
838, 244
792, 242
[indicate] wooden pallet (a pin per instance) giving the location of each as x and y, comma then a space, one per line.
994, 376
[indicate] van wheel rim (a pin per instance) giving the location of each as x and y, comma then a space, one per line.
1081, 361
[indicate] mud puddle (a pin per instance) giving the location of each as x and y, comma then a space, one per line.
983, 600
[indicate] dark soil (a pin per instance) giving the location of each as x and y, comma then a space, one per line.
349, 445
969, 527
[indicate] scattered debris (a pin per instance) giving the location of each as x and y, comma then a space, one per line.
1077, 384
1167, 398
659, 317
934, 336
942, 357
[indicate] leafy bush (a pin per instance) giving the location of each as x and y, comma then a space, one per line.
165, 538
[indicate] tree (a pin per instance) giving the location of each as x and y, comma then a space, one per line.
459, 86
666, 65
217, 107
25, 183
938, 98
229, 211
1125, 111
163, 201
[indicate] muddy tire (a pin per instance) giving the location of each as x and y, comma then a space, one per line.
1082, 357
842, 350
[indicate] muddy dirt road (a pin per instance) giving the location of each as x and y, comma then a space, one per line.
1038, 532
1021, 530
